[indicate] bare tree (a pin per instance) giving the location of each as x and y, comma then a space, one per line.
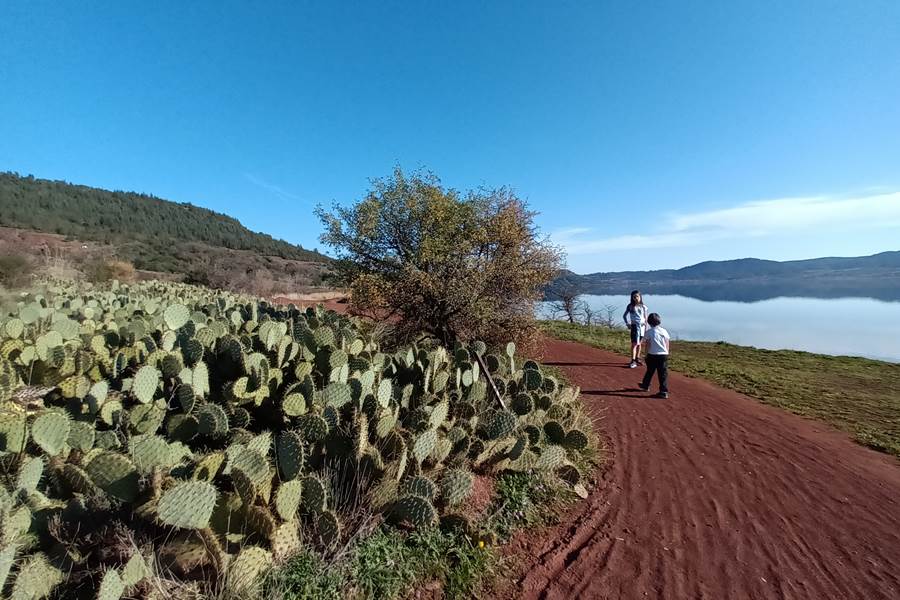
588, 314
566, 303
608, 316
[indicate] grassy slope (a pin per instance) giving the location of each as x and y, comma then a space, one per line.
857, 395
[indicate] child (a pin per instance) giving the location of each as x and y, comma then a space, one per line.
657, 340
635, 317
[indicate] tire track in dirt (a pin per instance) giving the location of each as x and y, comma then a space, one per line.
713, 495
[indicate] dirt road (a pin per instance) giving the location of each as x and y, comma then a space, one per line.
713, 495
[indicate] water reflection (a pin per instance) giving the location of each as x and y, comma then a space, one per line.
748, 290
839, 326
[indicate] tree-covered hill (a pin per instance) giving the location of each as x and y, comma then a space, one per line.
145, 222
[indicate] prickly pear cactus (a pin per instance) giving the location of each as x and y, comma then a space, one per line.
236, 423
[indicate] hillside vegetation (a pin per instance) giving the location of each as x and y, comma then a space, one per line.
74, 227
93, 214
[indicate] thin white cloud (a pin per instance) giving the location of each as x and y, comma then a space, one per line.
271, 187
752, 219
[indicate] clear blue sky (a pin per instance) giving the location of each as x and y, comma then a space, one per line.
647, 134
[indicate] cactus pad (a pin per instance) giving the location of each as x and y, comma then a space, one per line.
114, 474
532, 379
76, 479
385, 390
50, 431
135, 570
522, 404
576, 440
186, 397
287, 499
456, 486
111, 586
36, 579
424, 444
438, 414
290, 454
286, 540
212, 421
13, 431
146, 380
415, 510
245, 571
551, 458
313, 427
329, 528
188, 505
30, 474
555, 432
501, 425
176, 316
337, 394
294, 405
209, 466
314, 497
149, 451
419, 486
7, 558
244, 486
81, 436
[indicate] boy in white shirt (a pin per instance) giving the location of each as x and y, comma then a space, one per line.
657, 340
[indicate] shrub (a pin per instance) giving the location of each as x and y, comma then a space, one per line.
456, 266
15, 270
107, 270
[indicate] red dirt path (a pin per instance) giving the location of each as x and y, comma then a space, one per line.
713, 495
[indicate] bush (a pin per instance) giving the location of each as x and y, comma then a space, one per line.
456, 266
107, 270
15, 270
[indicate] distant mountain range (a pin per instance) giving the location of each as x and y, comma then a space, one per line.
751, 279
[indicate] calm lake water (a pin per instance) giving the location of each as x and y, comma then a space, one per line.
844, 326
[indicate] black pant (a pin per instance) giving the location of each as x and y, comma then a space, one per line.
660, 364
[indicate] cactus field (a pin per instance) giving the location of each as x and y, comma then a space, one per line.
165, 428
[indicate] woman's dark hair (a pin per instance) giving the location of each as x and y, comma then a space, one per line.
654, 320
634, 293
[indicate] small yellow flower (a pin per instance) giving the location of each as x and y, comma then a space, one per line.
481, 543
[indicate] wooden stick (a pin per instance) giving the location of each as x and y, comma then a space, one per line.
490, 381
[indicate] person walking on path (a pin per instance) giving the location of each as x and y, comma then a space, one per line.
635, 319
657, 339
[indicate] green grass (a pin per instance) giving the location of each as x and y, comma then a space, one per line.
304, 576
387, 564
856, 395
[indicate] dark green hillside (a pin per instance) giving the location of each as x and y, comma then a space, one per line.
145, 224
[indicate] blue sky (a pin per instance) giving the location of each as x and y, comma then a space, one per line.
647, 134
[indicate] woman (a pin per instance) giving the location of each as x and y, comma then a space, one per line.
635, 319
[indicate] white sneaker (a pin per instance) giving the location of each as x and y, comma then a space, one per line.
633, 365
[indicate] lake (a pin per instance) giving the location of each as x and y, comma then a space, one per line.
842, 326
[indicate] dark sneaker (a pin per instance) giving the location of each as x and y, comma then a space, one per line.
632, 365
641, 386
662, 395
640, 363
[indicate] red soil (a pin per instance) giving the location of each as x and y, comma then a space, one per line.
713, 495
